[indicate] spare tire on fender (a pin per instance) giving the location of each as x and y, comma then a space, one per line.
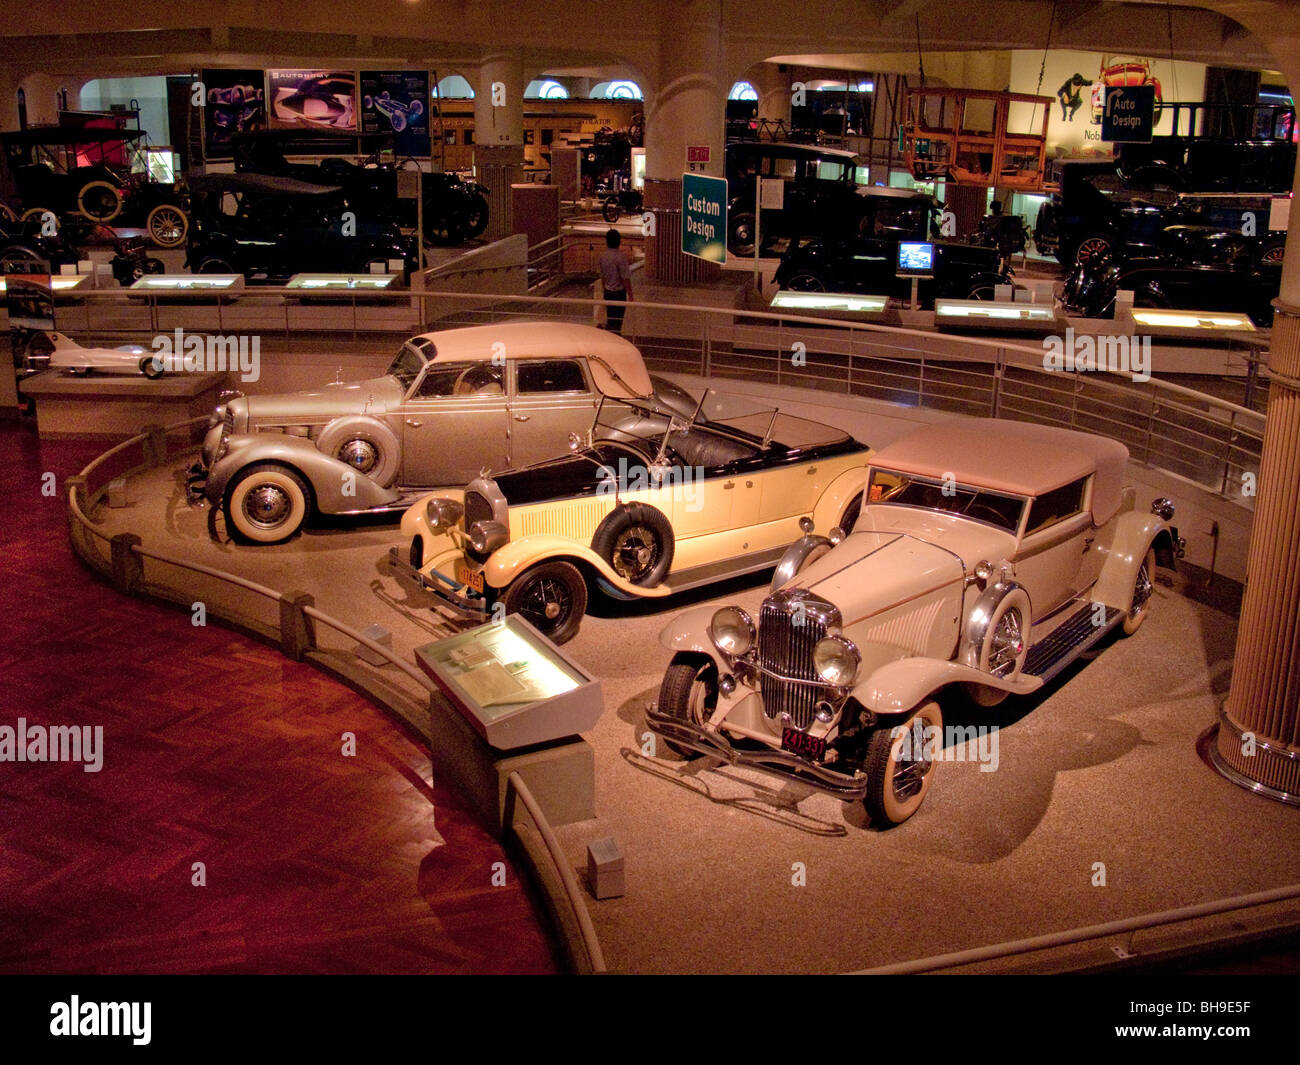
366, 444
637, 541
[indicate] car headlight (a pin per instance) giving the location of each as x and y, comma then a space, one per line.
487, 536
442, 514
732, 631
836, 661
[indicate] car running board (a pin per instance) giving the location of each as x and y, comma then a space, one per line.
717, 571
1083, 630
850, 788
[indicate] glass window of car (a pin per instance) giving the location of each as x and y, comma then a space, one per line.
409, 361
784, 168
828, 170
454, 380
533, 376
1055, 506
891, 487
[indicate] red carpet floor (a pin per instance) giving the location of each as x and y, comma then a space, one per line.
216, 750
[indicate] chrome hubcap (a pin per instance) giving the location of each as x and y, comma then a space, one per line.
267, 506
361, 455
1007, 644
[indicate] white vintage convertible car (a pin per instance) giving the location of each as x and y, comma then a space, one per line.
988, 554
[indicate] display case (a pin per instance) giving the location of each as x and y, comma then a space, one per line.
512, 684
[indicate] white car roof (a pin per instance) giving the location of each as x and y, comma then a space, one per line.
1014, 457
616, 364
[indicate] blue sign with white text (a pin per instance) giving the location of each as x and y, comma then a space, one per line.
704, 217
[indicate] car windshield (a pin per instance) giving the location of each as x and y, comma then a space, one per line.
892, 487
410, 360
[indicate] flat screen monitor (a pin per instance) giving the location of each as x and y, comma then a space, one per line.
915, 258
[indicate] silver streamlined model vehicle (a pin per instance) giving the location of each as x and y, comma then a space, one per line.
988, 554
452, 404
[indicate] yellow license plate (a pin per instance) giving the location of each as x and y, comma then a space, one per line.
472, 579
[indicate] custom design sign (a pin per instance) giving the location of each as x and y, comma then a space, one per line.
704, 217
315, 99
397, 102
234, 101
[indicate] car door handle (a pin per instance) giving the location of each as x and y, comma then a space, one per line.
812, 470
521, 417
413, 423
730, 484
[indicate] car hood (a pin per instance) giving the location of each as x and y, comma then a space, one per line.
897, 553
378, 395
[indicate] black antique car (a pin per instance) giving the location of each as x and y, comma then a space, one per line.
820, 195
79, 175
454, 210
21, 242
865, 261
271, 228
1245, 286
1100, 209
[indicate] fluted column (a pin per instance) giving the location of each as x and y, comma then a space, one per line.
1258, 745
499, 136
688, 106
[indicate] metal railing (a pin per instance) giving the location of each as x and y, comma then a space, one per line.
124, 568
1207, 440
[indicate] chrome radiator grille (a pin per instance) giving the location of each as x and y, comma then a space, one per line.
789, 626
476, 509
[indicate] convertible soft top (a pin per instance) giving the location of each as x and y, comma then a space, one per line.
615, 363
1014, 457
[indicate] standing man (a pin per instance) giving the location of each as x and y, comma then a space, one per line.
615, 279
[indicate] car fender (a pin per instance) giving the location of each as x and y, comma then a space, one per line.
507, 563
1134, 534
689, 632
905, 683
327, 476
414, 519
831, 505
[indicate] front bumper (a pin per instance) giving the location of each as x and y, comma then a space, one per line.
851, 787
450, 592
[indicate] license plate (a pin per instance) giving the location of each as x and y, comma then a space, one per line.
803, 744
472, 579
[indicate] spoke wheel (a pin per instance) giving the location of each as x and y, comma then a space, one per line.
1144, 587
1007, 645
1091, 247
552, 597
900, 766
689, 692
167, 226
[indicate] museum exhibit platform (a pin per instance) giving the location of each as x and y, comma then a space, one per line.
1096, 803
114, 406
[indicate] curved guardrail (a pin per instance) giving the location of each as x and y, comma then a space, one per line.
1172, 428
124, 568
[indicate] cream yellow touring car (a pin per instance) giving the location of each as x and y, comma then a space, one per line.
642, 507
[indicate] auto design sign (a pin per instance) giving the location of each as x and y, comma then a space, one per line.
315, 99
397, 102
1128, 113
